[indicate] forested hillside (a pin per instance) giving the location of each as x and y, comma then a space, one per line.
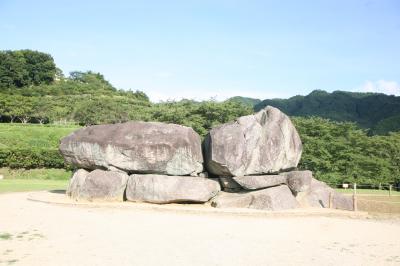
87, 98
34, 91
342, 152
250, 102
380, 113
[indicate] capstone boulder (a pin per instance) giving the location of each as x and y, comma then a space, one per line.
263, 143
135, 147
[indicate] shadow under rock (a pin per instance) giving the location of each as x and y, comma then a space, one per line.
58, 191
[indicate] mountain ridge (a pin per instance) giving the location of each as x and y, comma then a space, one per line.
377, 112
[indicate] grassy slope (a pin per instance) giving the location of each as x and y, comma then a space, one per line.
32, 136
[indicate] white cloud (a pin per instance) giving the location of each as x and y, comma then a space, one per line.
382, 86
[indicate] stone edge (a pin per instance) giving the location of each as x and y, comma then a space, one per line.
37, 196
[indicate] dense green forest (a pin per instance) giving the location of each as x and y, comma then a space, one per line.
379, 113
34, 91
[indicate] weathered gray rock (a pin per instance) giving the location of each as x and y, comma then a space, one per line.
342, 202
76, 183
232, 200
229, 185
273, 198
299, 181
135, 147
170, 189
260, 181
104, 186
266, 142
319, 195
203, 174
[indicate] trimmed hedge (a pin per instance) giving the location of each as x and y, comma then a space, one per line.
31, 158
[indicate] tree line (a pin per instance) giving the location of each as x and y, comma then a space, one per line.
340, 152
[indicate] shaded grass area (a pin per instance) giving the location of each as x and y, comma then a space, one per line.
393, 199
41, 173
379, 204
376, 201
368, 191
19, 185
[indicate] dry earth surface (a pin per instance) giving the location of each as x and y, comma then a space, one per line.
37, 233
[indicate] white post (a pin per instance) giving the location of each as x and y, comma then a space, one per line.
355, 197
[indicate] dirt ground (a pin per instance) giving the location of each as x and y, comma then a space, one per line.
36, 233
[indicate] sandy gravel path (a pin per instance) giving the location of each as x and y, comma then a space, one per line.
46, 234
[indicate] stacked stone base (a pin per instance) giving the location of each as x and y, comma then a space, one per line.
100, 185
284, 191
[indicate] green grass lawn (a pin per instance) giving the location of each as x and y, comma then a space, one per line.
41, 173
17, 185
34, 179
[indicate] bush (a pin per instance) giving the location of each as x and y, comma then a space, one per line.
31, 158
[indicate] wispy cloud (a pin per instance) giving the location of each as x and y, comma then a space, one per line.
164, 74
382, 86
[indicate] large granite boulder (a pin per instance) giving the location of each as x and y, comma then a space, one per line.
266, 142
76, 183
170, 189
273, 199
249, 182
319, 196
299, 181
98, 185
135, 147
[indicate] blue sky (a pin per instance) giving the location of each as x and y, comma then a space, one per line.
204, 49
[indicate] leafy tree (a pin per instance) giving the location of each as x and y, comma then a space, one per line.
25, 67
40, 66
12, 70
